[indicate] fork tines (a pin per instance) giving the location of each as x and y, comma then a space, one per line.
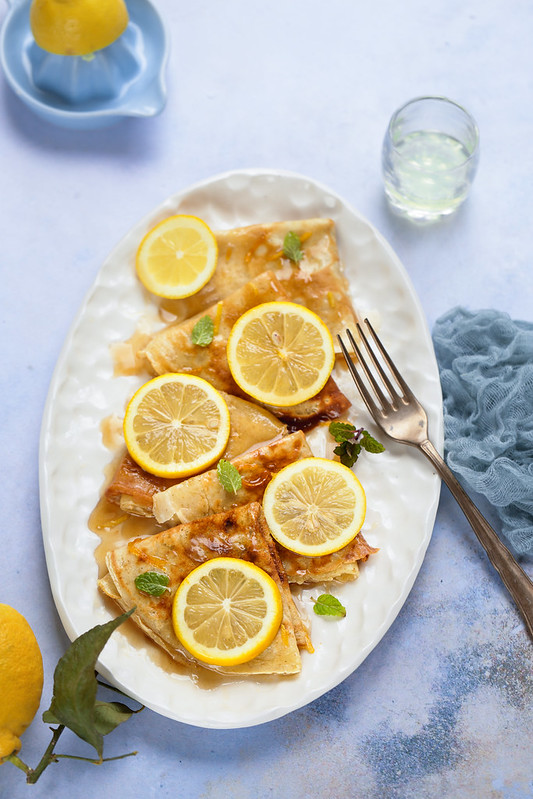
378, 370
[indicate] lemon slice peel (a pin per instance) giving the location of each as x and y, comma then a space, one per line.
176, 425
280, 353
314, 506
177, 257
227, 611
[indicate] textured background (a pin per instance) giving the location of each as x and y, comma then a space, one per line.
442, 707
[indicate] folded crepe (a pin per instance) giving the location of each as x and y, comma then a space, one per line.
203, 494
238, 533
172, 350
244, 253
133, 488
340, 566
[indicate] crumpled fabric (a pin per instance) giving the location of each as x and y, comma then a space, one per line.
486, 370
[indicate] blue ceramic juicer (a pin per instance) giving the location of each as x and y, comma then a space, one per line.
125, 79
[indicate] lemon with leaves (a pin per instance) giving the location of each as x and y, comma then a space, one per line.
21, 678
77, 27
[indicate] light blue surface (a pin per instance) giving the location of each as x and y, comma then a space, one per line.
126, 79
443, 706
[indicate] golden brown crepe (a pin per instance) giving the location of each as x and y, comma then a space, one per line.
176, 552
244, 253
133, 489
203, 494
341, 566
172, 350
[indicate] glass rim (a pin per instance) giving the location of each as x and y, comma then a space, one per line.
443, 99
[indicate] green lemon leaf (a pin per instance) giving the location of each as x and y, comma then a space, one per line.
49, 717
292, 247
153, 583
228, 476
203, 332
109, 715
328, 605
74, 697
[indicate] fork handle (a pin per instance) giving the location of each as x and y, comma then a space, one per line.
514, 578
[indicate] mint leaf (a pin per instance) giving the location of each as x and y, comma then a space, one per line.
342, 431
292, 247
369, 443
348, 452
328, 605
351, 440
228, 476
153, 583
203, 332
74, 697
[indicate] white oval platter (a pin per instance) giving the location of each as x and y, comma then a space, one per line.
402, 489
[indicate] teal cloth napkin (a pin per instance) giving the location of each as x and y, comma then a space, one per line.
486, 370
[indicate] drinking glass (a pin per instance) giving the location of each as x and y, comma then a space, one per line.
429, 158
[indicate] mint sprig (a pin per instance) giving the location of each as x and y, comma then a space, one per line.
203, 332
292, 247
229, 476
153, 583
328, 605
351, 441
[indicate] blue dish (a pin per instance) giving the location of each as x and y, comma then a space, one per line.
126, 79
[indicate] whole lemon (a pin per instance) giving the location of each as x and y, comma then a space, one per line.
21, 678
77, 27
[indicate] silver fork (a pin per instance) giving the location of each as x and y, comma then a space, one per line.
396, 410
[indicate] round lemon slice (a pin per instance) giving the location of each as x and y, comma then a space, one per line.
280, 353
227, 611
177, 257
314, 506
176, 425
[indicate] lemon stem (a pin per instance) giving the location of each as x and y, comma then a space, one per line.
33, 774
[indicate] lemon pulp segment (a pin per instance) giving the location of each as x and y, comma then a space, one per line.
314, 506
227, 611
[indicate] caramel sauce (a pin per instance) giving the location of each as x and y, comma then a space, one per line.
115, 529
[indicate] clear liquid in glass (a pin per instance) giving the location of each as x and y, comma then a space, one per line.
427, 173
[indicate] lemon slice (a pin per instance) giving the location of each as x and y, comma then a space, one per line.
227, 611
314, 506
280, 353
176, 425
177, 257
